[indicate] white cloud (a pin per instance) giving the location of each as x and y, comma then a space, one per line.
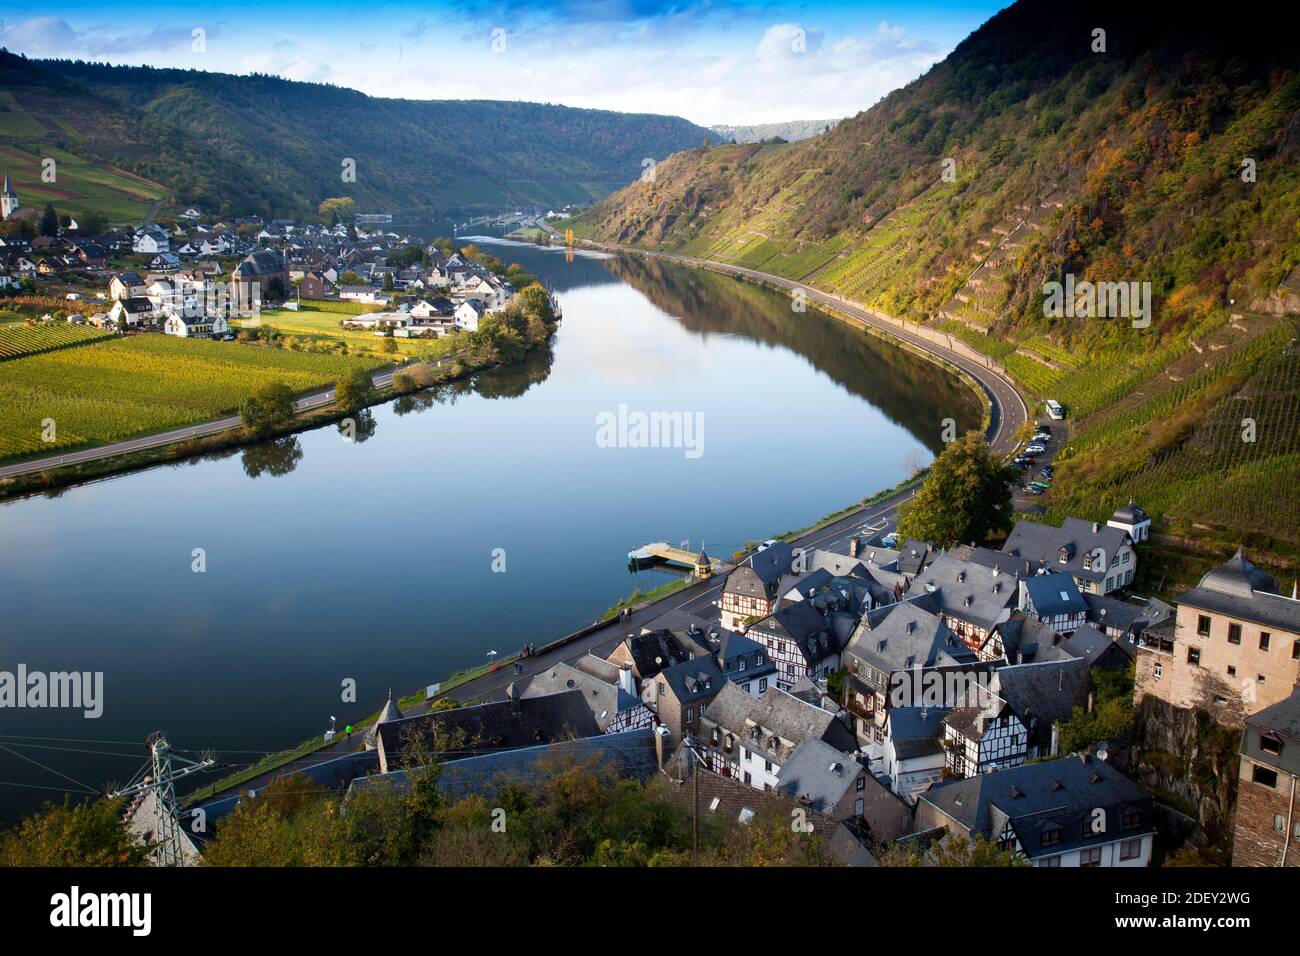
55, 37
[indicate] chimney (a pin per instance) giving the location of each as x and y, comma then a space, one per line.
1095, 527
853, 546
1056, 740
625, 679
661, 743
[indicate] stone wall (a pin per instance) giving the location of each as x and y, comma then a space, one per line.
1191, 764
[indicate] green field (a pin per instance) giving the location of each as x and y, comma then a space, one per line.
78, 186
17, 341
121, 388
317, 324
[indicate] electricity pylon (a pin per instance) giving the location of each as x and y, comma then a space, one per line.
169, 850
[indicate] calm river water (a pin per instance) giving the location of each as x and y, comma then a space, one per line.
374, 560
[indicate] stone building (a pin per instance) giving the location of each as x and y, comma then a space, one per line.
1266, 830
1235, 646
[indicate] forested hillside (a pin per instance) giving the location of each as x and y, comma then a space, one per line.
277, 147
1172, 157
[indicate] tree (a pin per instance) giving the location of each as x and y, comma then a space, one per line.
49, 221
953, 850
336, 209
966, 496
353, 390
270, 407
87, 834
350, 278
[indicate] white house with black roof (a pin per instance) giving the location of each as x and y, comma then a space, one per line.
1099, 557
802, 641
1054, 599
1074, 811
751, 739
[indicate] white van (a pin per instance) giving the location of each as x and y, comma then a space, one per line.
1054, 410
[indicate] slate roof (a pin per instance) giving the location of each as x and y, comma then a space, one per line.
260, 263
1239, 589
1281, 720
1038, 797
1090, 644
693, 681
912, 555
968, 591
630, 754
1105, 611
1130, 514
775, 713
1026, 640
908, 636
811, 631
1055, 593
496, 725
1042, 693
1042, 543
818, 774
606, 699
652, 651
916, 731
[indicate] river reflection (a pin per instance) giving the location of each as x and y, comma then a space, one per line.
329, 561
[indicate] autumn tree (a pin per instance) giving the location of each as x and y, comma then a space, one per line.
353, 390
966, 496
268, 408
84, 834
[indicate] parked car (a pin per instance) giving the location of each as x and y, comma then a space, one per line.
1036, 449
1026, 460
890, 540
1045, 429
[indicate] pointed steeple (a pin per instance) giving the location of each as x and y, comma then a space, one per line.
390, 712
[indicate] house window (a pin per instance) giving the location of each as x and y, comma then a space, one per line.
1131, 819
1232, 671
1264, 775
857, 807
762, 684
1295, 651
1193, 655
1270, 744
1157, 670
690, 714
861, 784
1279, 823
1234, 633
1203, 625
1053, 862
1264, 638
1090, 856
1051, 835
767, 765
1128, 850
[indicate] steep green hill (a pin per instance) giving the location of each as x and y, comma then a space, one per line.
1123, 165
277, 147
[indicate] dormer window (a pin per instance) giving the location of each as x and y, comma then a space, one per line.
1270, 744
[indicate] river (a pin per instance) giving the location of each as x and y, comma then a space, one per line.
379, 561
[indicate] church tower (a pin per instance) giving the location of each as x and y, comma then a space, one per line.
8, 200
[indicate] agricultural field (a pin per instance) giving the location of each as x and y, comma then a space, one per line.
120, 388
79, 186
317, 324
17, 341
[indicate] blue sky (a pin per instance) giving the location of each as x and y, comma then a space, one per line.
712, 61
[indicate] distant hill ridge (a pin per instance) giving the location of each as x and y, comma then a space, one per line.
276, 147
791, 131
